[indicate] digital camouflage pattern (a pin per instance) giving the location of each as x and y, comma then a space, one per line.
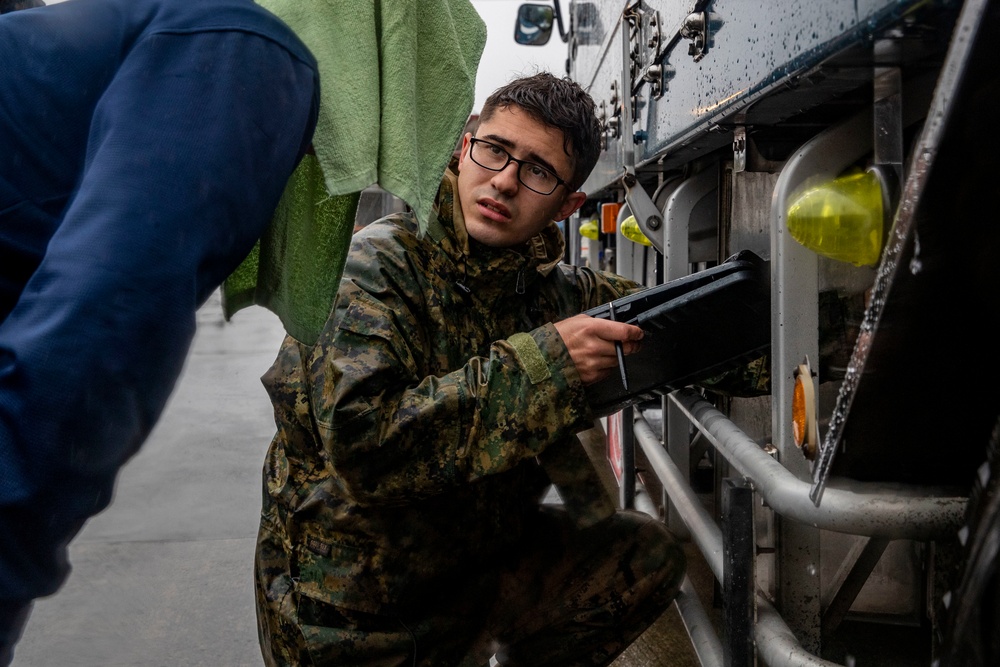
404, 469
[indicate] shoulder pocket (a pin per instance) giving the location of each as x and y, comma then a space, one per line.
367, 317
370, 333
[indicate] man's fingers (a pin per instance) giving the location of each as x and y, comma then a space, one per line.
629, 335
591, 343
617, 331
631, 346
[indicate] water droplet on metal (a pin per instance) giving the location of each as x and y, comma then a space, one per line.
916, 264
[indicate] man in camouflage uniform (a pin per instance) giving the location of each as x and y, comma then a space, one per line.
401, 521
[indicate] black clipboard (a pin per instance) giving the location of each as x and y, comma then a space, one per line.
696, 327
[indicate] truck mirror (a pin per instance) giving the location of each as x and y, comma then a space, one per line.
534, 24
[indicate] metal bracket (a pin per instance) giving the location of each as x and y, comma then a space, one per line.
646, 214
695, 28
739, 149
612, 114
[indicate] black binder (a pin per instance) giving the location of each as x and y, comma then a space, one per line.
696, 327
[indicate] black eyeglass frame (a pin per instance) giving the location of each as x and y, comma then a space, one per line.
520, 163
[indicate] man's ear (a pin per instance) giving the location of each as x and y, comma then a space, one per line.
573, 202
465, 149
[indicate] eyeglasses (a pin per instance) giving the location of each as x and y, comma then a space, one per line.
533, 176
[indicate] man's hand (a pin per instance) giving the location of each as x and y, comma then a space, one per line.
591, 344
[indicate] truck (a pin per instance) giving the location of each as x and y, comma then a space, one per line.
842, 488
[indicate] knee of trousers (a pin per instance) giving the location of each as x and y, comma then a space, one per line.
656, 557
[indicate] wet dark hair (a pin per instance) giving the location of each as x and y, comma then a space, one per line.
561, 103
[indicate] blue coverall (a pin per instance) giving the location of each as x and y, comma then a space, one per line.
144, 145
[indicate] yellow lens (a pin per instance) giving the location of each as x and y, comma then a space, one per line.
842, 219
631, 231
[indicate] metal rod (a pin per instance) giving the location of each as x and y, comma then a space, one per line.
774, 641
704, 640
837, 610
893, 511
626, 492
705, 532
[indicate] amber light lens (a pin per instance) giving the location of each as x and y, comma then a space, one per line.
631, 231
842, 219
805, 431
799, 413
589, 230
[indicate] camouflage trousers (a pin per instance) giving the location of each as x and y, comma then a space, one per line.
567, 597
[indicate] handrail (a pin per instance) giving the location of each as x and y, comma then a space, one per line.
775, 642
892, 511
704, 640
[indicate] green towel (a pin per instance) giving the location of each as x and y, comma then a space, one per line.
397, 84
295, 268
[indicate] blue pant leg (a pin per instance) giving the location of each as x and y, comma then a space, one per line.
189, 150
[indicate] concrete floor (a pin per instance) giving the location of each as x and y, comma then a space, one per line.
163, 577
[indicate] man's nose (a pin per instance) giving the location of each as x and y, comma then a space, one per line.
506, 180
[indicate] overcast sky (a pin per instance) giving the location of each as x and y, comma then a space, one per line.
503, 58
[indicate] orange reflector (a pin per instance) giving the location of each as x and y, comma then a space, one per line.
805, 430
609, 217
799, 413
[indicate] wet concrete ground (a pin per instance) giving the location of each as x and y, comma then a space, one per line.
163, 577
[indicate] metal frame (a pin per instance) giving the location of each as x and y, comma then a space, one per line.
870, 510
879, 512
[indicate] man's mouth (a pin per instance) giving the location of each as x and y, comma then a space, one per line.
494, 210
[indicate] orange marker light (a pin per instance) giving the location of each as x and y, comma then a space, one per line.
609, 217
805, 430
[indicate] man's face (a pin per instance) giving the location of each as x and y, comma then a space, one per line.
499, 210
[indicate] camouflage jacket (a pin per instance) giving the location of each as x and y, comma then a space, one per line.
408, 435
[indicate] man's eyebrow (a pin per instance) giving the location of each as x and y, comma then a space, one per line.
508, 144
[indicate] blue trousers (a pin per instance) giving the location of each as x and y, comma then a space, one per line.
144, 145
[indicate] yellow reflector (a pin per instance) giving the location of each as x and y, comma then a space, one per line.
589, 229
842, 219
631, 231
